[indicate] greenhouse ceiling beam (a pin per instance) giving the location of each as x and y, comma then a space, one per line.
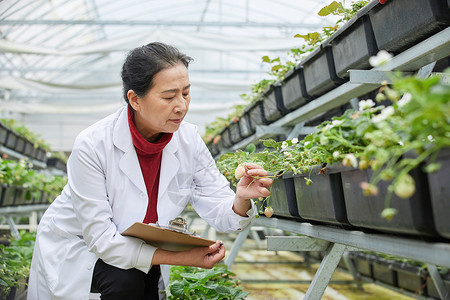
157, 23
103, 70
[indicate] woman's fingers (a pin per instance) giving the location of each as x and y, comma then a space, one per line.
265, 182
254, 170
215, 247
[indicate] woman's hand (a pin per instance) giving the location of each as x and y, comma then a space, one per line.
207, 257
203, 257
253, 184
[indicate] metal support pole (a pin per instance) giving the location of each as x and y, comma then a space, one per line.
325, 271
14, 232
352, 268
240, 239
443, 292
206, 231
33, 221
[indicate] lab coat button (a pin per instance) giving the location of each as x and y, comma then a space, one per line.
142, 195
89, 266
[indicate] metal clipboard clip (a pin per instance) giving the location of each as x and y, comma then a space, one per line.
178, 224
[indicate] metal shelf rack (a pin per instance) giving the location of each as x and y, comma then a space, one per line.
335, 241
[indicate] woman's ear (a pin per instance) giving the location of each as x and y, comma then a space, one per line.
133, 99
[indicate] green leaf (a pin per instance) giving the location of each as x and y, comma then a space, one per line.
2, 282
270, 143
266, 59
308, 138
241, 294
177, 289
251, 148
223, 290
329, 9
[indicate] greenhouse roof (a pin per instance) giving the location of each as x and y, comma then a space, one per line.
60, 60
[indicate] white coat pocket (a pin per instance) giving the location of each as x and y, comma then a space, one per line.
54, 245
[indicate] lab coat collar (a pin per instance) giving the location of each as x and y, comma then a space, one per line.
170, 165
129, 162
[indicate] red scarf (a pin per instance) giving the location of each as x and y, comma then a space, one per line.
149, 156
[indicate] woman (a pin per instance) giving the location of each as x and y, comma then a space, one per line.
140, 164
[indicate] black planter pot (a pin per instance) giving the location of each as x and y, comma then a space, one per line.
29, 149
353, 45
414, 215
11, 140
235, 132
283, 200
273, 106
440, 194
400, 24
244, 126
214, 149
323, 200
320, 72
44, 199
40, 154
293, 89
411, 278
8, 195
255, 115
23, 197
225, 138
383, 271
3, 134
362, 264
20, 144
12, 293
37, 198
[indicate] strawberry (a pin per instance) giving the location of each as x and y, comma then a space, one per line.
239, 172
268, 211
405, 187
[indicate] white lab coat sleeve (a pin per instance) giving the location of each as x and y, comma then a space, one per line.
87, 182
213, 198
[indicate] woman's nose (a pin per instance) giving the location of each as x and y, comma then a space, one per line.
182, 105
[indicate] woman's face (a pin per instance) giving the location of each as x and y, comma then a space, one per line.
165, 105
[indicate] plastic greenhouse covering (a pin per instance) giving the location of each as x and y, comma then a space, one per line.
60, 60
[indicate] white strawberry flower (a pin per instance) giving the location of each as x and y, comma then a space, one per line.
380, 59
384, 114
366, 104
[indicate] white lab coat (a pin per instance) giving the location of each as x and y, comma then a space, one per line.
106, 194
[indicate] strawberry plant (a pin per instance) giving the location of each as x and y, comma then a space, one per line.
391, 140
22, 130
278, 68
20, 173
15, 262
197, 283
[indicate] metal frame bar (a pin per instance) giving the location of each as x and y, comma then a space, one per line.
14, 22
325, 271
443, 292
341, 240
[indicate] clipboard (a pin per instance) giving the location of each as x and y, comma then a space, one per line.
165, 238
